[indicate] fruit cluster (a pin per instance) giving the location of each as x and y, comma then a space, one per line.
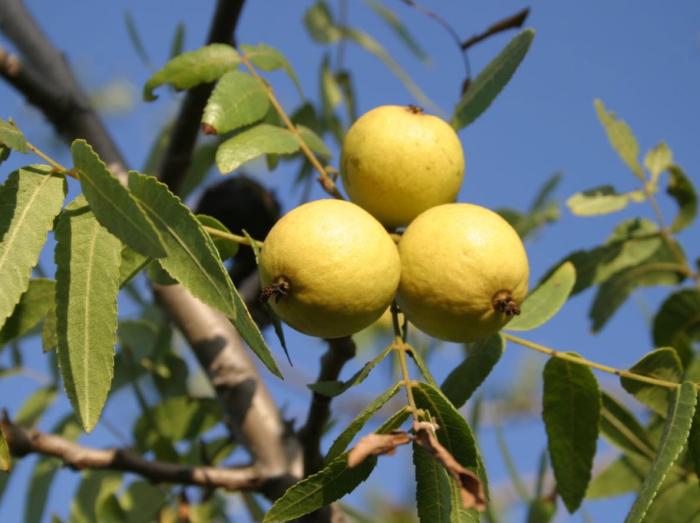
330, 268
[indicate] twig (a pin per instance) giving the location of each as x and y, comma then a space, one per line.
242, 240
340, 351
401, 348
510, 22
29, 441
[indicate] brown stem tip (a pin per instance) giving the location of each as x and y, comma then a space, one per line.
279, 289
504, 303
414, 109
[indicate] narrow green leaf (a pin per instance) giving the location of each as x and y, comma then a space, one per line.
132, 263
33, 306
5, 460
237, 100
12, 137
663, 364
694, 442
142, 502
622, 429
681, 189
546, 300
30, 199
571, 413
253, 143
329, 484
227, 248
657, 160
491, 81
95, 487
678, 421
112, 204
334, 388
464, 379
314, 142
355, 426
269, 59
135, 38
319, 23
178, 41
176, 419
204, 65
621, 138
87, 283
35, 406
399, 28
598, 201
678, 320
676, 502
623, 475
417, 357
331, 94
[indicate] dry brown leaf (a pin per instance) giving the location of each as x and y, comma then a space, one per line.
471, 488
375, 445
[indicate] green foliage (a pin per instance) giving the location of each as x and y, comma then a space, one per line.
601, 200
491, 81
30, 199
33, 306
663, 364
622, 429
12, 138
571, 413
466, 377
5, 461
623, 475
270, 59
393, 21
543, 210
95, 488
678, 420
677, 323
252, 143
237, 100
87, 282
204, 65
112, 204
545, 301
681, 189
227, 248
621, 138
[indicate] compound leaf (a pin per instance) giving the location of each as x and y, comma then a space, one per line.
571, 413
203, 65
30, 199
112, 204
237, 100
491, 81
87, 283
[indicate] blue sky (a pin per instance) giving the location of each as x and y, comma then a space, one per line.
641, 58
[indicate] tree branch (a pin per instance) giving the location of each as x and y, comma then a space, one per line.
30, 441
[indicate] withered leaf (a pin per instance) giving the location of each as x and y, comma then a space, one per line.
376, 445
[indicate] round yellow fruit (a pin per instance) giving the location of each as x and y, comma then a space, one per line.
396, 162
464, 272
329, 269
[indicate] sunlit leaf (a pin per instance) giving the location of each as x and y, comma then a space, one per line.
112, 204
464, 379
681, 189
319, 23
237, 100
204, 65
598, 201
621, 138
657, 160
269, 59
331, 95
33, 306
673, 439
253, 143
491, 81
546, 300
87, 282
5, 460
314, 142
662, 364
571, 413
12, 137
30, 199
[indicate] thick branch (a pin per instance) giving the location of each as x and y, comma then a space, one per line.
28, 441
340, 351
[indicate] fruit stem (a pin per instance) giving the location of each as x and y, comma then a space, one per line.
323, 177
279, 289
241, 240
588, 363
401, 347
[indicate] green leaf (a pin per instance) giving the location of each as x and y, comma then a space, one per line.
541, 510
673, 439
5, 460
334, 388
4, 153
677, 323
87, 283
622, 429
202, 162
112, 204
663, 364
142, 502
227, 248
176, 419
489, 83
204, 65
253, 143
623, 475
96, 486
345, 437
270, 59
319, 23
677, 502
331, 94
178, 41
33, 306
35, 406
681, 189
464, 379
132, 263
314, 142
30, 199
661, 268
571, 413
329, 484
416, 356
399, 28
600, 200
135, 39
546, 300
621, 138
12, 137
237, 100
657, 160
694, 442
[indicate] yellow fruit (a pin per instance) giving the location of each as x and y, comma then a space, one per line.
464, 272
396, 162
329, 268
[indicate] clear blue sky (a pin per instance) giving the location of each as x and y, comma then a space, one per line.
641, 57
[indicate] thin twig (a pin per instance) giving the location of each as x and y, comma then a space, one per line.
401, 348
510, 22
242, 240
